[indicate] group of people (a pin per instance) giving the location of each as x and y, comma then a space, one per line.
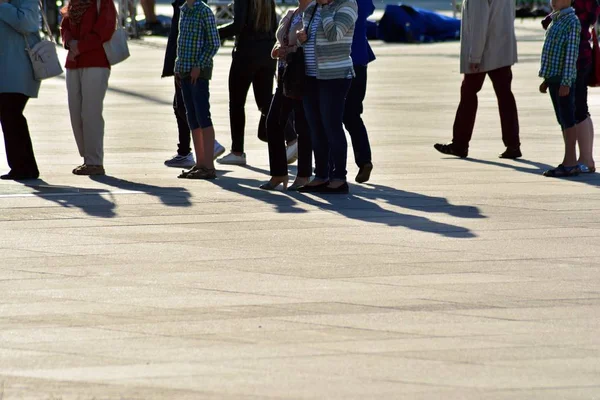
489, 48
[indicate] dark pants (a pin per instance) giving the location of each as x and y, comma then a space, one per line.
467, 109
17, 141
324, 104
281, 109
248, 69
352, 117
184, 147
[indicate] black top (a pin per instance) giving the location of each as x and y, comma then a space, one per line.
171, 52
242, 26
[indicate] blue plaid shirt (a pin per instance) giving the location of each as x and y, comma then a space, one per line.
561, 48
198, 39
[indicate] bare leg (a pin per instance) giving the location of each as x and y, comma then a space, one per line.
149, 10
585, 140
197, 137
208, 146
570, 136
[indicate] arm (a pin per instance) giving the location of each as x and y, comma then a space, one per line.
572, 53
240, 11
65, 32
479, 14
102, 30
212, 41
337, 24
23, 19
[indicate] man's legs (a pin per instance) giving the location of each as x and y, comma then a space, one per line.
184, 146
467, 111
509, 118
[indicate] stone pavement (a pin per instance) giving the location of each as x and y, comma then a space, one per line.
440, 279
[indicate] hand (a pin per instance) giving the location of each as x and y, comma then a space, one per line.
474, 67
543, 87
71, 56
301, 35
564, 91
195, 74
73, 47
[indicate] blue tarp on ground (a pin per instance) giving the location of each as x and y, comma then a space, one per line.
403, 23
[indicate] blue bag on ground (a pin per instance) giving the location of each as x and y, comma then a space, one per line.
407, 24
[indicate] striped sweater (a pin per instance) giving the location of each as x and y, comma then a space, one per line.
334, 38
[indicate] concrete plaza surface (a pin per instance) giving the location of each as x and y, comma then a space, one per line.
440, 279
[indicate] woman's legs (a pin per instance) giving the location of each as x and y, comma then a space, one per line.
94, 84
585, 139
304, 143
312, 110
17, 140
275, 134
240, 78
262, 86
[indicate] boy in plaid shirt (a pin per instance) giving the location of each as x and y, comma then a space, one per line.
197, 44
559, 70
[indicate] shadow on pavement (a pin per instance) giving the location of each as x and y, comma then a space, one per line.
169, 196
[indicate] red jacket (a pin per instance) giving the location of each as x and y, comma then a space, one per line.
91, 33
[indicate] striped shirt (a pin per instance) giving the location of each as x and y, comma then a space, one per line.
198, 39
561, 48
310, 57
333, 38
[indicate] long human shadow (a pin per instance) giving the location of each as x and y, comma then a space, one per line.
361, 205
91, 201
169, 196
537, 168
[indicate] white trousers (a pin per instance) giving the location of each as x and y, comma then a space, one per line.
86, 88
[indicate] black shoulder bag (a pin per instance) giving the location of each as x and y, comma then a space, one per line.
294, 72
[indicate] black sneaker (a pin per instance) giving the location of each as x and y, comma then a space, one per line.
450, 149
511, 152
364, 173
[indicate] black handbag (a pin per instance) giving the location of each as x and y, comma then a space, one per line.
294, 72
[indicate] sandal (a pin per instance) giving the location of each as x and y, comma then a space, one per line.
201, 173
584, 169
563, 172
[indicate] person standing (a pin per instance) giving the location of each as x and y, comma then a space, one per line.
84, 29
19, 21
197, 43
362, 54
488, 48
184, 157
327, 42
254, 26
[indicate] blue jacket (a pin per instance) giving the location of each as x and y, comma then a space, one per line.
362, 54
16, 73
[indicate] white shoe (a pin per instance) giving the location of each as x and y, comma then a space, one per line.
218, 150
232, 159
291, 152
178, 161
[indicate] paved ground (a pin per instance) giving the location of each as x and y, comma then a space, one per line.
441, 279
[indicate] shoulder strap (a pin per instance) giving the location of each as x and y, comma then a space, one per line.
46, 25
307, 30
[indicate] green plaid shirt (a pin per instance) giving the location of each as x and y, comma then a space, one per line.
561, 48
198, 39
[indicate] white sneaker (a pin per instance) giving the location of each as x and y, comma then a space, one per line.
292, 152
219, 149
232, 159
178, 161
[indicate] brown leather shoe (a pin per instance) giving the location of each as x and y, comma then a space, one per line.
89, 170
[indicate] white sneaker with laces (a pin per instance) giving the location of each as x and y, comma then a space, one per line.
178, 161
291, 152
219, 149
232, 159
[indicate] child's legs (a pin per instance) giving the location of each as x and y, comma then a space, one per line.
564, 107
585, 128
204, 137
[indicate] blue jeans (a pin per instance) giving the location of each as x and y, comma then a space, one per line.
324, 103
564, 106
196, 99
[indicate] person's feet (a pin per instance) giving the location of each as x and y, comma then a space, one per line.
20, 176
314, 186
179, 161
298, 183
451, 149
219, 149
274, 182
563, 172
199, 173
233, 159
86, 169
511, 153
364, 173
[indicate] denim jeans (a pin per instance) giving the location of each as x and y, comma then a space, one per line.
352, 117
564, 106
184, 147
196, 97
324, 103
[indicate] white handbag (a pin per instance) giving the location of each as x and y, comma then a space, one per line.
43, 56
116, 47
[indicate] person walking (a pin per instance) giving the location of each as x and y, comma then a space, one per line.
184, 157
84, 28
327, 41
362, 54
282, 107
254, 26
197, 43
488, 48
19, 22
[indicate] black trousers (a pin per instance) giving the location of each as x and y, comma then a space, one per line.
17, 141
249, 68
352, 117
184, 147
281, 109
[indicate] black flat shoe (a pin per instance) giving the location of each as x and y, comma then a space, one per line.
19, 177
342, 189
511, 153
313, 188
450, 149
364, 173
